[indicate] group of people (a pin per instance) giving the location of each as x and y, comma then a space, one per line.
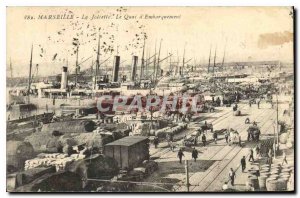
180, 154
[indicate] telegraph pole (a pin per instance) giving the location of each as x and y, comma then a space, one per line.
277, 134
187, 175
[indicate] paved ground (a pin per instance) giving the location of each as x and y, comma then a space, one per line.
215, 160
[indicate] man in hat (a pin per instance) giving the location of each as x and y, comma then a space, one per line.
180, 154
215, 136
232, 176
243, 163
194, 154
251, 156
204, 139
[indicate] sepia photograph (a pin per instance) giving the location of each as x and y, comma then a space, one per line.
150, 99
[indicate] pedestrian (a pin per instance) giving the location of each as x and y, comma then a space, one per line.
257, 149
243, 163
249, 103
173, 146
270, 157
196, 141
194, 154
240, 141
232, 176
156, 142
258, 102
180, 154
204, 139
226, 137
284, 158
251, 156
215, 136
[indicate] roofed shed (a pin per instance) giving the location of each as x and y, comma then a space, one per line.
129, 151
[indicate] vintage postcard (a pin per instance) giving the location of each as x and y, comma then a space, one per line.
150, 99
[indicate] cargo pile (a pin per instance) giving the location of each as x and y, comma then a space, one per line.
59, 160
162, 133
276, 177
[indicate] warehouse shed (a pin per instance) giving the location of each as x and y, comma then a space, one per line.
129, 151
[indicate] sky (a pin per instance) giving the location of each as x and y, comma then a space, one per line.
243, 33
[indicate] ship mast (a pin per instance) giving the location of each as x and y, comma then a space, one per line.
157, 67
29, 77
170, 65
143, 61
215, 61
177, 66
154, 62
11, 69
97, 63
209, 60
77, 66
223, 58
181, 72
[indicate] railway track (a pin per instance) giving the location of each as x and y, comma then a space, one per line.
241, 152
231, 153
218, 119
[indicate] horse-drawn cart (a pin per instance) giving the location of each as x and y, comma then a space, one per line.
253, 133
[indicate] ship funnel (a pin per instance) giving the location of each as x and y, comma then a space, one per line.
133, 67
116, 69
64, 78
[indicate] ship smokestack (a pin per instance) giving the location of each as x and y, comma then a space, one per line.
116, 69
64, 78
133, 67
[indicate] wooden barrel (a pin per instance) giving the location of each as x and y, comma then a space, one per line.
264, 170
265, 166
278, 164
262, 182
274, 172
286, 171
275, 166
273, 176
271, 184
284, 175
265, 174
290, 184
255, 164
254, 172
286, 166
253, 181
281, 184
